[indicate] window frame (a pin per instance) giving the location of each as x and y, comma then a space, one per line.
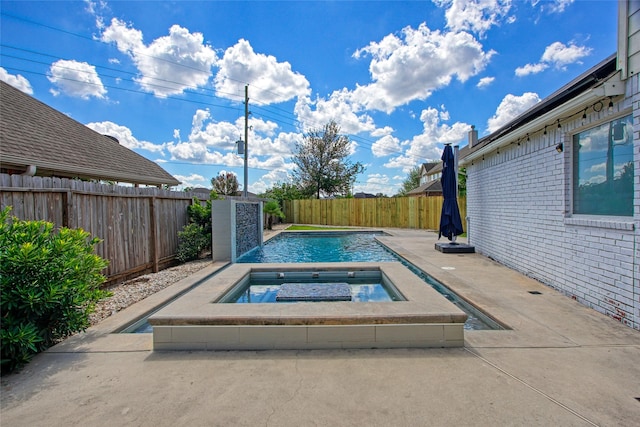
620, 222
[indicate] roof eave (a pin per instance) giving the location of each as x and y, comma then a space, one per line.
88, 173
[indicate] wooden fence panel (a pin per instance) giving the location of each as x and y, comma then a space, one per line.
138, 227
393, 212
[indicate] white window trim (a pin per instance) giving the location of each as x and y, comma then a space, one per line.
600, 221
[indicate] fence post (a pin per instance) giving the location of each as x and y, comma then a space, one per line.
153, 241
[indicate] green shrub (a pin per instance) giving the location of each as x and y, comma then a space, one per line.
192, 240
272, 208
195, 237
49, 282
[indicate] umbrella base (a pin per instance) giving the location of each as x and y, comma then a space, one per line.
455, 248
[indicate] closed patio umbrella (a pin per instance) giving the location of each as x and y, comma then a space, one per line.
450, 222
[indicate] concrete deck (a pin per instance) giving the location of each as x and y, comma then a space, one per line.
560, 364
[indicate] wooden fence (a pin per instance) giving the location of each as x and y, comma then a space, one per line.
395, 212
138, 226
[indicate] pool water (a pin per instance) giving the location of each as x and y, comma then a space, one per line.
338, 247
320, 247
265, 291
353, 247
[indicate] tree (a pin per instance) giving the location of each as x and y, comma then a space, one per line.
226, 184
321, 163
283, 191
272, 208
411, 182
462, 182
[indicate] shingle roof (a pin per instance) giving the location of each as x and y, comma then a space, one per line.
32, 133
434, 186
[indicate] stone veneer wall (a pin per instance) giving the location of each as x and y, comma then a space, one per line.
248, 227
236, 228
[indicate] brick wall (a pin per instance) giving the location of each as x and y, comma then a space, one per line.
519, 213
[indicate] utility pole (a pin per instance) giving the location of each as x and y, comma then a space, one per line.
246, 141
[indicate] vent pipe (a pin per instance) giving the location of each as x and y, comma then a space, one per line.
31, 170
113, 138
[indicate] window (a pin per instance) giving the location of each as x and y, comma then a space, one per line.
603, 169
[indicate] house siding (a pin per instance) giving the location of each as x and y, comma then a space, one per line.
519, 213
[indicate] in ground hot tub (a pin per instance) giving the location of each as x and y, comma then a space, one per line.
204, 319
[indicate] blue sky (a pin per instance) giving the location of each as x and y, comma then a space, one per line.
401, 78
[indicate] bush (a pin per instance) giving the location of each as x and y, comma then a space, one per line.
272, 208
49, 283
192, 240
195, 237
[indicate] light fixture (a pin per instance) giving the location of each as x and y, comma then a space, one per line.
597, 107
559, 148
559, 127
610, 107
545, 130
584, 116
528, 139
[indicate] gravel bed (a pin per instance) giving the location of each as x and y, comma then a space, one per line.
134, 290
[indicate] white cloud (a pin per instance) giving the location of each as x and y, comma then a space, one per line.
271, 81
374, 184
531, 69
76, 79
560, 55
477, 16
339, 107
485, 81
209, 133
169, 65
17, 81
387, 130
385, 146
406, 163
510, 108
411, 66
556, 6
193, 180
427, 145
196, 152
124, 136
557, 55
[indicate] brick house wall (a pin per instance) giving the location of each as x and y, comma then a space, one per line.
519, 204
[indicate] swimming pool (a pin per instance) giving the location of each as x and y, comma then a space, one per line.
363, 286
320, 246
349, 246
332, 247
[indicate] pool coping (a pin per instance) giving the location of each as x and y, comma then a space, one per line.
194, 322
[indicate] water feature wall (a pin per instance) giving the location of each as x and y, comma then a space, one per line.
236, 228
248, 227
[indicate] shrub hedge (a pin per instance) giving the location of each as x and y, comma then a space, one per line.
49, 281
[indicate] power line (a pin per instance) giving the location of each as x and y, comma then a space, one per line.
287, 118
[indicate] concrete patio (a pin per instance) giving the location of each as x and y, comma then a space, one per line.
560, 364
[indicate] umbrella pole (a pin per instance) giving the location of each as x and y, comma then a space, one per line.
455, 169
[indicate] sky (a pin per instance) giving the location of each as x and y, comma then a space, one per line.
400, 78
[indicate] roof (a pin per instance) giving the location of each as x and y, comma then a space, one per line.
34, 134
364, 196
433, 186
578, 86
427, 167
